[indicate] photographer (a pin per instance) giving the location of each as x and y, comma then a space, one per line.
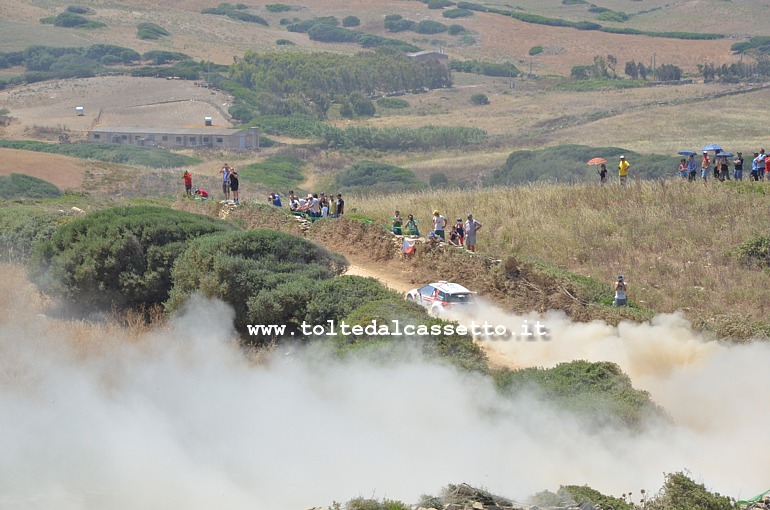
620, 292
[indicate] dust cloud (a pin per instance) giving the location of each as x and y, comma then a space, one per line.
180, 418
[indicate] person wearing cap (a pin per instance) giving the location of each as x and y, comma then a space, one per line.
459, 230
705, 164
623, 170
433, 239
439, 224
738, 167
471, 227
620, 292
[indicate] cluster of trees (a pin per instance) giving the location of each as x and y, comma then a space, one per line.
606, 67
291, 83
327, 29
397, 23
236, 12
372, 176
73, 17
485, 68
401, 139
737, 71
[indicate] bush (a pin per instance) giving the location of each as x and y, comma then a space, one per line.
268, 277
335, 299
22, 227
680, 491
755, 252
396, 23
479, 99
457, 13
379, 177
17, 186
422, 138
392, 102
438, 180
151, 31
456, 29
280, 171
430, 27
484, 68
439, 4
284, 42
362, 106
77, 9
350, 21
597, 392
121, 256
277, 8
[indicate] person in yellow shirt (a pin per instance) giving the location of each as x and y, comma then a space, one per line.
623, 170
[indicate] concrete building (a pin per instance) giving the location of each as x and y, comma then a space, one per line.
423, 56
238, 139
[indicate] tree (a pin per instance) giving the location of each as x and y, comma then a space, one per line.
479, 99
118, 257
612, 63
643, 70
350, 21
632, 70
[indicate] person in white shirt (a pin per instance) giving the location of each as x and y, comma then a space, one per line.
471, 227
439, 224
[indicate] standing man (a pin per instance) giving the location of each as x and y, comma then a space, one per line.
705, 164
692, 168
187, 183
623, 170
225, 171
234, 185
620, 292
340, 205
471, 227
738, 167
755, 167
439, 224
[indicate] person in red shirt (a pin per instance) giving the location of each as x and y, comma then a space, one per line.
187, 182
202, 193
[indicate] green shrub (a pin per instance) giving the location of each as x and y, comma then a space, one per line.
479, 99
430, 27
457, 13
597, 392
609, 15
23, 226
298, 126
305, 26
404, 139
268, 277
574, 2
280, 172
278, 8
392, 102
335, 299
17, 186
438, 180
121, 256
439, 4
148, 30
161, 57
284, 42
362, 106
535, 50
377, 177
360, 503
72, 20
755, 252
77, 9
579, 496
456, 29
484, 68
396, 23
235, 12
350, 21
680, 491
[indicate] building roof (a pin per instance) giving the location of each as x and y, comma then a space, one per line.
434, 54
167, 131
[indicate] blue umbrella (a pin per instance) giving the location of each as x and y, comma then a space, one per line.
726, 154
712, 147
687, 153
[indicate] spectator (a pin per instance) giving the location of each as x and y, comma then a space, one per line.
683, 168
225, 171
411, 226
187, 183
755, 167
439, 224
397, 223
234, 185
705, 165
455, 239
623, 170
620, 292
324, 203
459, 229
762, 167
433, 239
471, 228
692, 168
738, 167
277, 200
602, 173
202, 193
340, 205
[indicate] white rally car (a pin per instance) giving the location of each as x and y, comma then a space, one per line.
440, 296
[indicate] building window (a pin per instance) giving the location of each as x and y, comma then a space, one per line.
192, 140
205, 139
165, 138
137, 137
178, 139
219, 139
124, 137
97, 136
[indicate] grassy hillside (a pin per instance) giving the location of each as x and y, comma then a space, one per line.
677, 243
